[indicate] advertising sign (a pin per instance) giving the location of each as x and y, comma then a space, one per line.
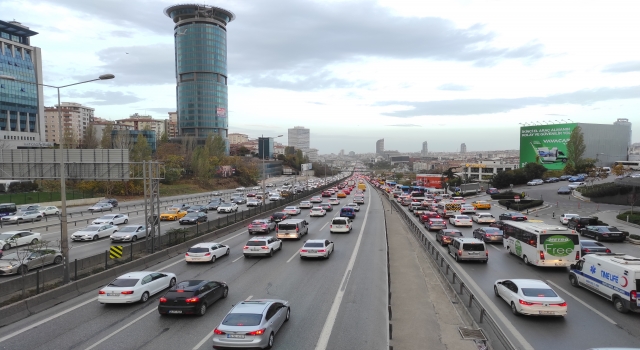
545, 144
221, 112
305, 167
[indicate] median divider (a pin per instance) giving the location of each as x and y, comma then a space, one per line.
51, 298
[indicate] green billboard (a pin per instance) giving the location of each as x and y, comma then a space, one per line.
545, 144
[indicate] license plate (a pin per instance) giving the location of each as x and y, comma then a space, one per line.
313, 251
113, 294
547, 313
255, 249
339, 226
473, 253
175, 311
238, 336
615, 234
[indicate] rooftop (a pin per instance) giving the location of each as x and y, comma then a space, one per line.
16, 28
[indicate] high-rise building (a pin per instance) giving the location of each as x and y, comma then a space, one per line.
265, 147
200, 34
299, 137
75, 119
463, 148
425, 149
625, 123
21, 104
380, 147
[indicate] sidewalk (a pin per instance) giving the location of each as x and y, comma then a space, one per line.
423, 316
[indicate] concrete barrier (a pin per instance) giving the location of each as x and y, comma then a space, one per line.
75, 202
13, 313
92, 282
53, 297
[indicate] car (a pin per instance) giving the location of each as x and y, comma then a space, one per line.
513, 216
565, 190
492, 191
305, 205
94, 232
483, 218
326, 206
129, 233
460, 220
576, 179
49, 210
535, 182
341, 194
252, 324
317, 211
316, 248
565, 177
576, 184
172, 214
445, 236
112, 219
279, 216
602, 233
341, 225
588, 246
251, 194
206, 252
481, 205
551, 180
227, 208
198, 209
11, 239
316, 199
214, 203
274, 197
414, 205
355, 206
270, 185
427, 215
564, 218
292, 210
488, 234
240, 189
238, 200
530, 297
263, 245
348, 212
28, 259
193, 218
334, 201
216, 193
261, 225
255, 188
326, 194
405, 202
135, 287
435, 224
192, 297
254, 203
467, 209
23, 216
579, 222
112, 201
30, 207
181, 206
358, 199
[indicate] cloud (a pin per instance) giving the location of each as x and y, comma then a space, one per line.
162, 110
107, 98
556, 115
501, 105
122, 33
453, 87
559, 74
300, 81
623, 67
406, 125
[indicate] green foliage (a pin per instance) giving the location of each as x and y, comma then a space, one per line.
105, 143
575, 147
585, 166
552, 173
141, 151
634, 218
164, 138
522, 205
604, 190
508, 195
19, 187
533, 171
172, 175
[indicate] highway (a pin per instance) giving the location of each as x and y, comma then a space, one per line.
337, 303
591, 321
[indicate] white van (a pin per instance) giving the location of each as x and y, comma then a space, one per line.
468, 249
292, 228
340, 224
615, 277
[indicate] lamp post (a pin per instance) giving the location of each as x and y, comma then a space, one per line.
264, 171
64, 234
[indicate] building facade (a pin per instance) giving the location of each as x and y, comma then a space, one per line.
144, 122
265, 147
463, 148
380, 147
21, 100
236, 138
200, 33
300, 137
76, 118
311, 153
172, 125
425, 149
484, 170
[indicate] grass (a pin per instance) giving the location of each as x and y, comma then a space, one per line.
41, 197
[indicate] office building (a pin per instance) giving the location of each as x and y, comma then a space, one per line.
75, 119
425, 149
299, 137
265, 147
236, 138
380, 147
311, 153
200, 34
624, 122
463, 148
144, 122
485, 170
21, 104
127, 138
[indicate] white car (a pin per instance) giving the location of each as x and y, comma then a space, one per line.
316, 248
101, 207
94, 232
460, 220
467, 209
49, 210
535, 182
340, 225
264, 245
564, 218
575, 185
135, 286
530, 297
306, 204
274, 197
227, 208
483, 218
129, 233
112, 219
206, 252
12, 239
355, 206
316, 199
255, 188
317, 211
22, 216
240, 189
292, 210
358, 199
334, 201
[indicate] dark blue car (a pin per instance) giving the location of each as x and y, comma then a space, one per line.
348, 212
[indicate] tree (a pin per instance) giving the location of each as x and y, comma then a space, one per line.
164, 138
141, 150
105, 143
618, 170
69, 139
585, 166
534, 171
122, 140
90, 140
575, 147
216, 145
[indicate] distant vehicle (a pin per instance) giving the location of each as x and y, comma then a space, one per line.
112, 219
588, 246
206, 252
193, 218
198, 208
575, 185
49, 210
492, 191
22, 216
112, 201
316, 248
535, 182
627, 165
11, 239
227, 208
101, 207
29, 259
317, 211
602, 233
7, 209
565, 190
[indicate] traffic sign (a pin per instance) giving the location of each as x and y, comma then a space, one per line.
517, 198
115, 252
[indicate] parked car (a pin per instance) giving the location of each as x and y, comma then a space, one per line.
135, 287
535, 182
28, 259
576, 184
192, 297
129, 233
11, 239
565, 177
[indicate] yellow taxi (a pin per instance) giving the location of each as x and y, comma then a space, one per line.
481, 205
172, 214
341, 195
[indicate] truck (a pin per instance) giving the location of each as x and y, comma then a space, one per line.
362, 186
465, 189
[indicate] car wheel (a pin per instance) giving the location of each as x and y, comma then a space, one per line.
514, 310
172, 282
213, 258
227, 252
34, 241
271, 252
144, 297
619, 305
495, 291
202, 310
455, 257
95, 238
126, 221
57, 260
134, 238
270, 341
573, 280
526, 260
288, 316
111, 223
6, 247
485, 261
57, 213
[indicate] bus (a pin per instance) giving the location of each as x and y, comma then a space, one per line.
7, 209
405, 189
628, 164
541, 244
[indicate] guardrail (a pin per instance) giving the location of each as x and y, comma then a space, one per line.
475, 308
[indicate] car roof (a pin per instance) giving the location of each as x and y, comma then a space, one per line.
260, 238
315, 241
530, 283
254, 306
204, 244
189, 285
14, 232
136, 274
468, 240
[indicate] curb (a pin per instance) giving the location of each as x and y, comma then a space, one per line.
580, 197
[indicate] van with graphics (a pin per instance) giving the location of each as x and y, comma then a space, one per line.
540, 244
448, 209
615, 277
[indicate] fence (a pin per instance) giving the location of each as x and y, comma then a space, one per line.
42, 197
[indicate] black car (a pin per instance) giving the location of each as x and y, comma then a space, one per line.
198, 209
112, 201
214, 204
193, 218
192, 297
326, 206
513, 216
579, 222
602, 233
565, 177
588, 246
488, 234
183, 206
279, 216
551, 180
238, 200
564, 190
446, 236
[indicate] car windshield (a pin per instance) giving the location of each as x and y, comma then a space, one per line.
290, 208
225, 204
462, 217
6, 236
437, 221
339, 222
198, 250
107, 217
191, 215
287, 227
129, 229
196, 207
124, 282
493, 231
91, 228
256, 243
539, 292
314, 245
242, 319
316, 209
453, 234
258, 222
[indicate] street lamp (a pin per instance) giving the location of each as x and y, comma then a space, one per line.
64, 234
264, 171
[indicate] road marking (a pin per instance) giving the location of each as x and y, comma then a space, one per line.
249, 298
240, 257
496, 248
323, 341
325, 225
584, 303
121, 328
293, 256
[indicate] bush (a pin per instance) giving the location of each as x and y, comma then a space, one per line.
522, 205
604, 190
633, 218
508, 195
635, 237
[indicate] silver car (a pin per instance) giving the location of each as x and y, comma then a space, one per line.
22, 216
101, 207
129, 233
252, 324
28, 259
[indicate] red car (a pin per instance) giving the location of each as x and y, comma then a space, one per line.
429, 214
326, 194
346, 191
406, 201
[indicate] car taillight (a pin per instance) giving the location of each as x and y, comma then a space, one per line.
577, 255
264, 226
608, 250
634, 295
563, 304
297, 229
322, 251
186, 254
246, 247
264, 247
459, 252
258, 332
163, 300
218, 332
127, 292
208, 254
102, 292
541, 255
303, 250
586, 250
486, 252
330, 226
523, 302
192, 300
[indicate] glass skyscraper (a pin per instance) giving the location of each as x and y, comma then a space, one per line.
201, 69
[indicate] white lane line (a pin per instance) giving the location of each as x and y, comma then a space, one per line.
120, 329
325, 225
496, 248
34, 325
584, 303
210, 334
240, 257
293, 256
249, 298
323, 341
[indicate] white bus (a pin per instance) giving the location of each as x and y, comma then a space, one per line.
541, 244
628, 164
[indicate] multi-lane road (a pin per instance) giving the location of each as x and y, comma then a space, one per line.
339, 303
591, 322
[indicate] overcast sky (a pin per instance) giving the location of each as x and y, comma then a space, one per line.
353, 72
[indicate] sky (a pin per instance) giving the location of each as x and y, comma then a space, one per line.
355, 71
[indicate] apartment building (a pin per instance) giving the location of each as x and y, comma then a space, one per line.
75, 120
